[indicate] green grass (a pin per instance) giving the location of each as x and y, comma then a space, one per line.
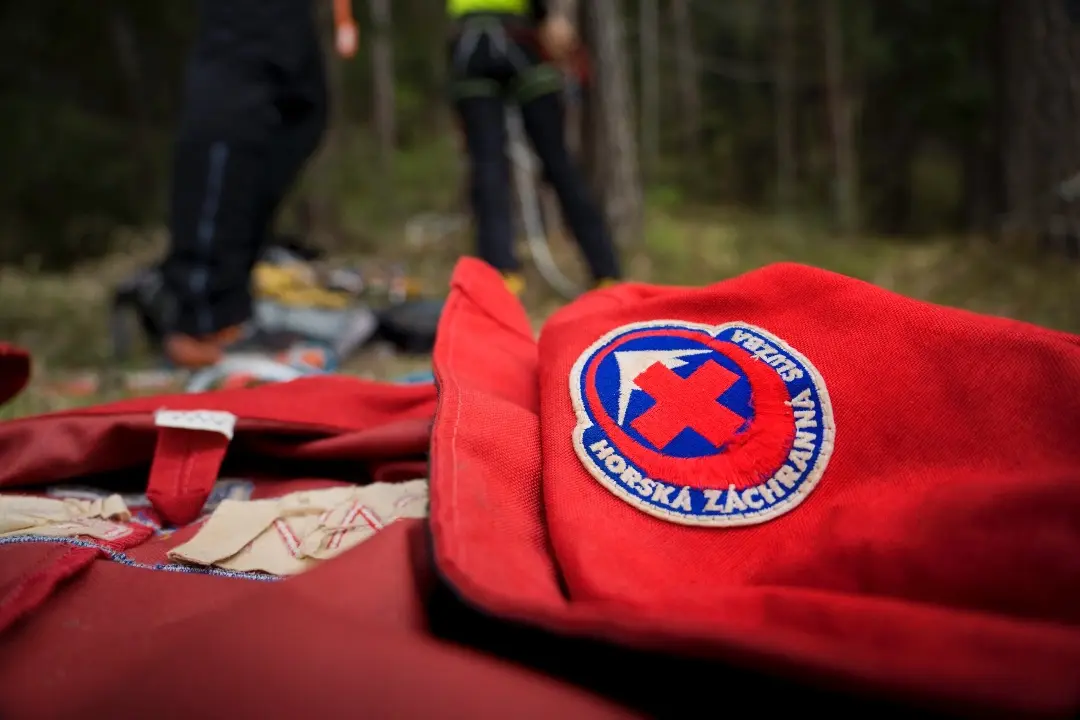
970, 273
62, 319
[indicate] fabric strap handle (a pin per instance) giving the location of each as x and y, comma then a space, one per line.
191, 445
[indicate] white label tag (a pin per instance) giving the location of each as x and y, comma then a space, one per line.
218, 421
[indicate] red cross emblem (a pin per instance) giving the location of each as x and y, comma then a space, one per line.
687, 403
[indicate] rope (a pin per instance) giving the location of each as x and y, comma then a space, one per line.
532, 217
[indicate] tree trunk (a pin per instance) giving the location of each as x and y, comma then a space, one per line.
128, 58
1041, 116
841, 121
981, 147
649, 39
612, 109
688, 74
317, 210
784, 88
382, 67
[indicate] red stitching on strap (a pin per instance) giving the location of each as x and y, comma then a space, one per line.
185, 468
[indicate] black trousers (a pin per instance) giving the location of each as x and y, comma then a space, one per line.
255, 109
500, 63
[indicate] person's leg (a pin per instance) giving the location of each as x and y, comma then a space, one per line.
478, 100
483, 124
303, 105
255, 109
218, 165
542, 116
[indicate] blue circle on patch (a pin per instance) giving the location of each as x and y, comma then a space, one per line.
699, 425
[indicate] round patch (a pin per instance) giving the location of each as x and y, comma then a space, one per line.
698, 425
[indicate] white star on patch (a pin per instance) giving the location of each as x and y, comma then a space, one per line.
634, 362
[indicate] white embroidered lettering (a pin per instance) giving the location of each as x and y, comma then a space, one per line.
663, 493
602, 449
734, 502
713, 500
800, 459
791, 375
773, 490
632, 478
788, 476
615, 464
752, 499
682, 501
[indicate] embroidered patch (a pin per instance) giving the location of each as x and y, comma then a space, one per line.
710, 426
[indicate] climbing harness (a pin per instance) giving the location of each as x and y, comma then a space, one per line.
531, 80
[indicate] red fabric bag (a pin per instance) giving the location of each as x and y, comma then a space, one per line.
14, 371
882, 502
792, 472
111, 628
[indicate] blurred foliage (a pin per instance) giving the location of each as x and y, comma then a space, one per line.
89, 94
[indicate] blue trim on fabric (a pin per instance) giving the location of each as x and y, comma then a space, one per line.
123, 559
200, 276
